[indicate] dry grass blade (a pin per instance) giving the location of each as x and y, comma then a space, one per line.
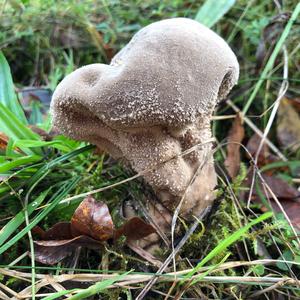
132, 279
268, 289
8, 290
257, 131
4, 296
170, 257
235, 137
274, 197
88, 277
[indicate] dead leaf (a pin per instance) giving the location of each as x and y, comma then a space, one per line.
282, 189
143, 253
59, 231
160, 219
235, 137
52, 252
265, 156
93, 219
288, 196
295, 102
288, 126
135, 229
90, 226
42, 133
292, 209
3, 141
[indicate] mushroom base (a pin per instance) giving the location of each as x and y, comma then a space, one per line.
176, 177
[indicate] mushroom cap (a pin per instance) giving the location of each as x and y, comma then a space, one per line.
170, 73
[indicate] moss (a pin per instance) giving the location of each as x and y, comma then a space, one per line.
221, 225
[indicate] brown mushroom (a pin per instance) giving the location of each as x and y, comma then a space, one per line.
154, 101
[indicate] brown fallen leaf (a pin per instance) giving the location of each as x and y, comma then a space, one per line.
42, 133
90, 226
59, 231
295, 102
281, 188
235, 137
291, 208
288, 126
93, 219
143, 253
52, 252
3, 141
135, 229
265, 156
287, 195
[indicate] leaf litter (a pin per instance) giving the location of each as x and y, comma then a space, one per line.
91, 226
288, 126
286, 193
235, 137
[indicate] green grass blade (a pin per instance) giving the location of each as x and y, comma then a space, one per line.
55, 199
58, 144
210, 269
97, 288
59, 294
90, 291
212, 11
227, 242
273, 56
14, 223
7, 93
56, 162
15, 129
10, 124
8, 165
292, 164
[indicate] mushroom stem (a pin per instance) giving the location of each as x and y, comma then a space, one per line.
172, 178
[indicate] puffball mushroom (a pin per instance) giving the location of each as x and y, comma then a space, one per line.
154, 101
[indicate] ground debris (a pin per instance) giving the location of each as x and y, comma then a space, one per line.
235, 137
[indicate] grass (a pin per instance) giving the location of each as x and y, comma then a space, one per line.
239, 252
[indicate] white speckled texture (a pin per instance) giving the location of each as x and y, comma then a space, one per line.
152, 102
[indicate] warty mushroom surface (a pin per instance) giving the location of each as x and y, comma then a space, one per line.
154, 101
